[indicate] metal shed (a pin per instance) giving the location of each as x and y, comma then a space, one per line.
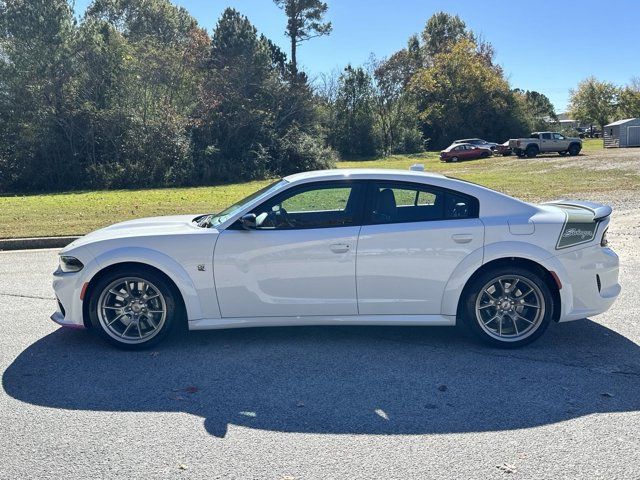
623, 133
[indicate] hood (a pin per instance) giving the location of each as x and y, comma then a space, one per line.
153, 226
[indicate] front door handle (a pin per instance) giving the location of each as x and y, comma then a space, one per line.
462, 237
339, 247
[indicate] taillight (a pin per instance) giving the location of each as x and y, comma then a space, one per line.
604, 242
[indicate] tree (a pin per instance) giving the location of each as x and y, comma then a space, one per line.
37, 85
594, 101
305, 21
353, 132
441, 32
250, 126
629, 105
396, 106
537, 109
460, 96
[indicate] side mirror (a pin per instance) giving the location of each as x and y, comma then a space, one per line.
248, 221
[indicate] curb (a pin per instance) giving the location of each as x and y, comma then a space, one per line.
34, 243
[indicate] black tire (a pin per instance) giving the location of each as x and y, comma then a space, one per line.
506, 154
475, 288
453, 159
520, 153
574, 149
166, 301
485, 155
531, 151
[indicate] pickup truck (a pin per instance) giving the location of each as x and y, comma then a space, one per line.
542, 142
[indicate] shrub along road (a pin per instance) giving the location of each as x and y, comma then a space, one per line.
299, 402
543, 178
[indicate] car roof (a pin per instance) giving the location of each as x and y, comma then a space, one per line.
467, 140
362, 174
459, 145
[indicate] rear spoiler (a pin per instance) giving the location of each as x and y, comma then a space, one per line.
599, 211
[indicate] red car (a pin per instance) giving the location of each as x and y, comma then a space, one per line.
463, 151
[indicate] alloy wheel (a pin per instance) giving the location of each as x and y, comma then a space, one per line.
510, 308
132, 310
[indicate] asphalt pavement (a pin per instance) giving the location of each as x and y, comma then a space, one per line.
317, 402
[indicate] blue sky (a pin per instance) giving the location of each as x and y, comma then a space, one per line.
544, 45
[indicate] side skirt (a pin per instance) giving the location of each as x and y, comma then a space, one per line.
392, 320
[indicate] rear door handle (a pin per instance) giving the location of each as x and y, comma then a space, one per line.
340, 247
462, 237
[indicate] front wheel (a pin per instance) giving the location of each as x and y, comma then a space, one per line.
508, 307
574, 150
132, 308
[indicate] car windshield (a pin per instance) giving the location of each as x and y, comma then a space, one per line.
216, 219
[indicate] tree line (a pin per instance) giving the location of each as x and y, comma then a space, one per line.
598, 102
136, 94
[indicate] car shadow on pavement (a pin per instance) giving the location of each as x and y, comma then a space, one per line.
352, 380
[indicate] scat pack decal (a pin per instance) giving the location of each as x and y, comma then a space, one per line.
579, 227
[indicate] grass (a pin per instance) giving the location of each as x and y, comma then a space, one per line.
592, 144
80, 212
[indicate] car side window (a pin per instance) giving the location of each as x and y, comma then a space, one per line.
319, 205
546, 136
557, 136
403, 202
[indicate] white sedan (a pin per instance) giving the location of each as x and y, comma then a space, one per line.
348, 247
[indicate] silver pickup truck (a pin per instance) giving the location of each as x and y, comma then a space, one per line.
542, 142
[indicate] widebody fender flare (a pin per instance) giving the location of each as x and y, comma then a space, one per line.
153, 258
498, 251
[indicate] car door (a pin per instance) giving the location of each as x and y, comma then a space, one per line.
299, 259
414, 237
463, 152
559, 142
546, 142
476, 151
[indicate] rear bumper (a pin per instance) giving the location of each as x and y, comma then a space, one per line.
591, 284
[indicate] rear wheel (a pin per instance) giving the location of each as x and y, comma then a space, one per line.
531, 151
508, 307
454, 159
132, 308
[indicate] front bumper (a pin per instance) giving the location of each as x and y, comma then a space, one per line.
591, 284
67, 287
59, 318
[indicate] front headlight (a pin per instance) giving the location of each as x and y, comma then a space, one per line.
70, 264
